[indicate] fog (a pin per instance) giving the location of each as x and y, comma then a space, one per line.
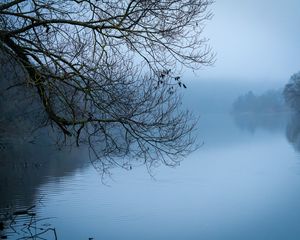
255, 41
257, 49
217, 96
241, 182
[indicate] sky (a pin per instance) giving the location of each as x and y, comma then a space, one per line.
255, 41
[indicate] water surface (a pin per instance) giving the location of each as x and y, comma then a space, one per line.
243, 183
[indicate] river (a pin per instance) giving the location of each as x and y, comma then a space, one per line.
242, 183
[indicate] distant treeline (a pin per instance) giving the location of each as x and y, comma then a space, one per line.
292, 92
271, 101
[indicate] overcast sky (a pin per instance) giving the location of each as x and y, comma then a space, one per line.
255, 40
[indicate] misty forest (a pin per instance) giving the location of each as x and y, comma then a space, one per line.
149, 119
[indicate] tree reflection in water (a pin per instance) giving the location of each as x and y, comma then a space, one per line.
24, 168
285, 122
23, 224
293, 130
253, 121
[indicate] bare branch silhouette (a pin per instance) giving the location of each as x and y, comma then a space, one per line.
106, 72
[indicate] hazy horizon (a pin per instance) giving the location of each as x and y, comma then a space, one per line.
254, 41
92, 149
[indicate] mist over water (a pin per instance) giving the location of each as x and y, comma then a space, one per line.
205, 96
242, 183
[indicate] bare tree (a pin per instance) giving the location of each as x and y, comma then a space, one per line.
106, 71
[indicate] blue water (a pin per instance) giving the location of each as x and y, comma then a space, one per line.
243, 183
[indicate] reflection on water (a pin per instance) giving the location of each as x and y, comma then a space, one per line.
293, 131
238, 185
23, 224
24, 168
288, 122
252, 122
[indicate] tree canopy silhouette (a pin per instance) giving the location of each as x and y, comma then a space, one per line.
107, 72
291, 92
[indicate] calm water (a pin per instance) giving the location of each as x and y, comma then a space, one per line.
243, 183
